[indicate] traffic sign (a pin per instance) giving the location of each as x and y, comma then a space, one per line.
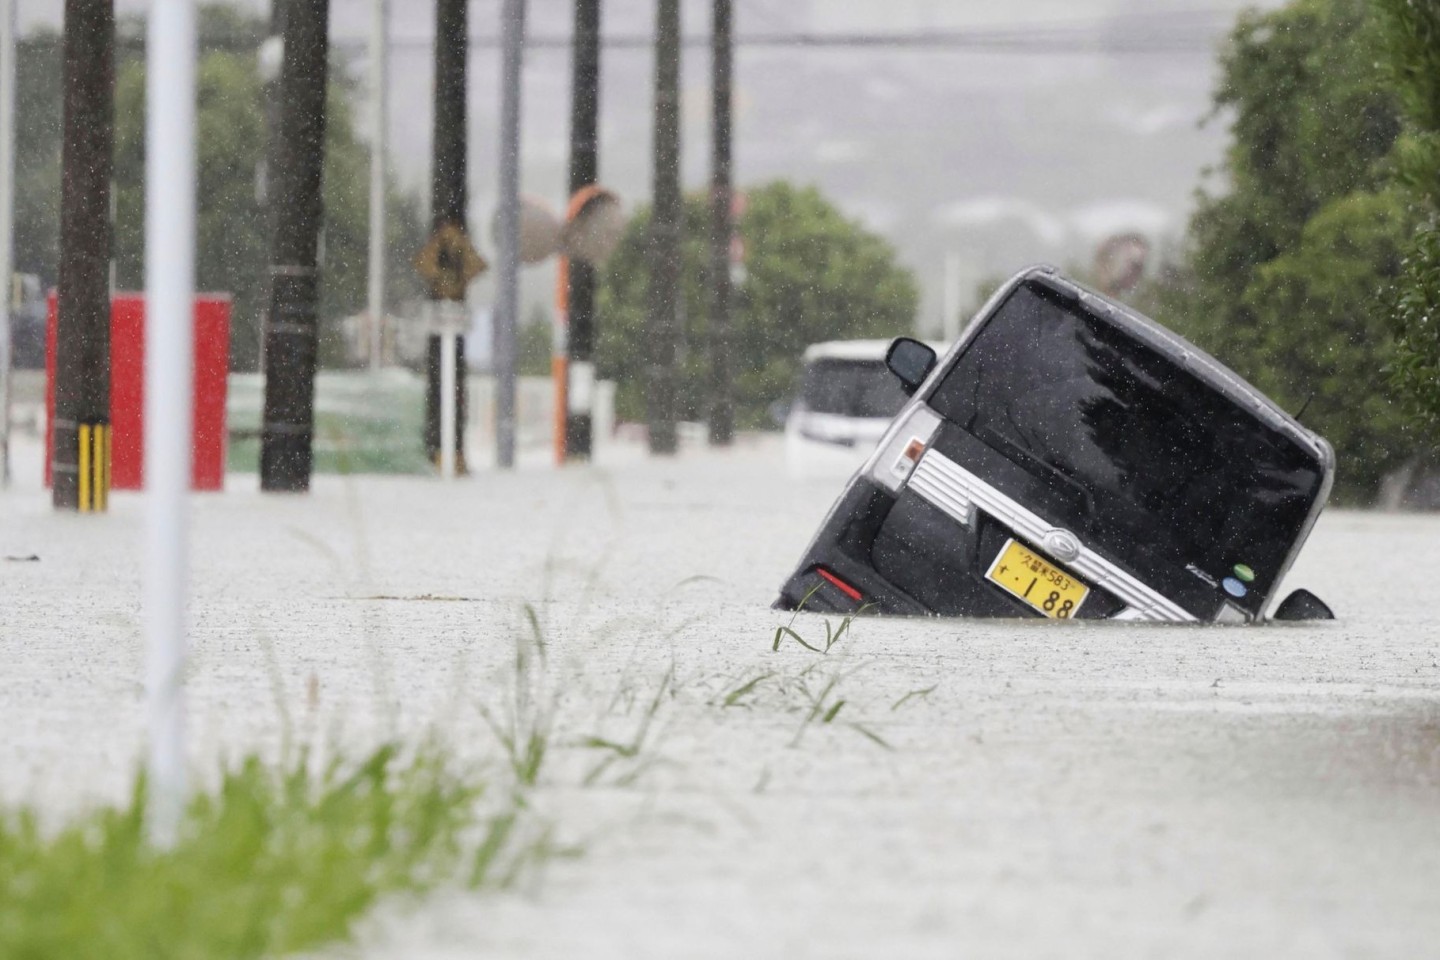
448, 262
594, 224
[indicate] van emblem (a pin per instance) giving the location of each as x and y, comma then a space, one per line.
1202, 574
1062, 545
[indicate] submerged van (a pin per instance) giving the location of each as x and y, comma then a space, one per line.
1070, 458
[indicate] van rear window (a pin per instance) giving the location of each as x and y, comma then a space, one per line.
1161, 470
851, 388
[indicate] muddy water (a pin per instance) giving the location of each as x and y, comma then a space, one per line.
982, 789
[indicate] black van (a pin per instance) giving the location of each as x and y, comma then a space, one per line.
1070, 458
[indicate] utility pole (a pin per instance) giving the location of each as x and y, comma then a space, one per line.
722, 228
291, 327
508, 292
579, 275
665, 230
272, 60
448, 201
379, 107
81, 438
7, 222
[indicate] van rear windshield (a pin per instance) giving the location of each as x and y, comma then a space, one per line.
851, 388
1153, 467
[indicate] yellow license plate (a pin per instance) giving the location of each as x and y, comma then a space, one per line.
1037, 581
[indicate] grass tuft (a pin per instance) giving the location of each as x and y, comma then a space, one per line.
921, 694
274, 860
637, 748
738, 694
523, 728
833, 634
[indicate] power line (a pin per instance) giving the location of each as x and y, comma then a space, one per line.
1012, 41
1016, 41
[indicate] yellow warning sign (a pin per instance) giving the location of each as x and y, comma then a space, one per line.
448, 262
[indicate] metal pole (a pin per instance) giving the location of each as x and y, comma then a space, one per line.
7, 221
379, 104
80, 429
950, 299
508, 277
579, 277
272, 62
292, 327
447, 401
722, 229
665, 230
560, 344
169, 395
449, 200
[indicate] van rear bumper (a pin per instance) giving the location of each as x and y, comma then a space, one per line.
842, 549
938, 566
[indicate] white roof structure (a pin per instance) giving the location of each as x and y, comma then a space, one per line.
856, 349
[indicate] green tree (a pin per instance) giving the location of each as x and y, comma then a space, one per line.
1336, 272
37, 155
811, 275
1284, 274
1412, 47
232, 230
534, 345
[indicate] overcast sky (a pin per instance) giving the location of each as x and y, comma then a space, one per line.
1046, 126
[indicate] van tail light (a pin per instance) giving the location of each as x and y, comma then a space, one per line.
902, 447
839, 584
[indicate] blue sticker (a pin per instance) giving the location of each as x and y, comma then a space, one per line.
1234, 587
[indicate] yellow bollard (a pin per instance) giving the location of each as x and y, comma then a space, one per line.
94, 464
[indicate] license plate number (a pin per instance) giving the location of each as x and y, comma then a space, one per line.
1037, 581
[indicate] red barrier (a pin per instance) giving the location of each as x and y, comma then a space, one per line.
127, 390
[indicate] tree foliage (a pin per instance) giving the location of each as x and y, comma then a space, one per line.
1412, 45
232, 229
1285, 273
37, 155
811, 275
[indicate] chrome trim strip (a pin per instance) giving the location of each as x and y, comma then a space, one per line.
958, 492
932, 482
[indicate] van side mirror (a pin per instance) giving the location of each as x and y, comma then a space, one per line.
911, 361
1302, 605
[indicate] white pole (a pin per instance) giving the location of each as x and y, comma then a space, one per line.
7, 221
169, 339
447, 402
950, 299
507, 307
379, 118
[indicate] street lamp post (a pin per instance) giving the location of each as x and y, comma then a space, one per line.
7, 220
379, 107
169, 351
508, 280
